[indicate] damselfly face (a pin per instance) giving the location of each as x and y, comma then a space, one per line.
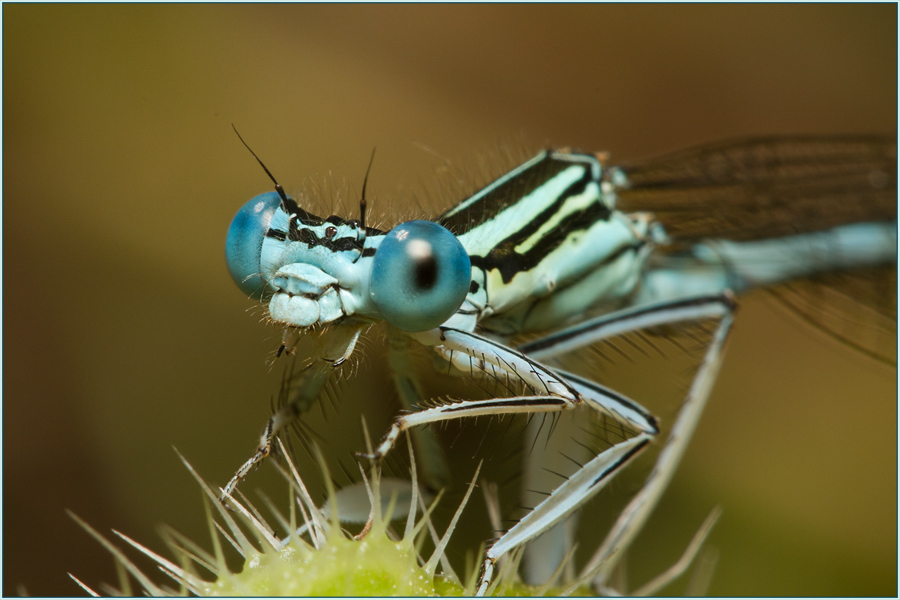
315, 271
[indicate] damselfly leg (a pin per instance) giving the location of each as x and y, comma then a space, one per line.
555, 391
329, 353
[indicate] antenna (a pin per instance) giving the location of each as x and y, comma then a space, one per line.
362, 201
278, 187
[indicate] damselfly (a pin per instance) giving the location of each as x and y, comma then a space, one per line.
653, 244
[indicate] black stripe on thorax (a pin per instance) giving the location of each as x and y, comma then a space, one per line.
538, 221
503, 196
504, 258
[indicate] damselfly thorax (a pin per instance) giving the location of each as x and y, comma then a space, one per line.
579, 250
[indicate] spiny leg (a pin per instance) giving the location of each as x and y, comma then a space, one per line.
630, 319
585, 483
638, 510
469, 351
635, 515
331, 350
544, 554
553, 394
569, 496
312, 380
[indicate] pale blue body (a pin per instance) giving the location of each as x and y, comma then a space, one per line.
536, 250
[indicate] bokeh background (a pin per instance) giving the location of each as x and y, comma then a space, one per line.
124, 336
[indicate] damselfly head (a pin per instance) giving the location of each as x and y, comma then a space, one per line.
315, 271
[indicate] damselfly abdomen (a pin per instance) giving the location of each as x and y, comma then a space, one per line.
577, 250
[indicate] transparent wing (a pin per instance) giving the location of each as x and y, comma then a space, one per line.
857, 308
770, 187
766, 187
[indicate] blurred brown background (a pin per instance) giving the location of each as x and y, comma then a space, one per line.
124, 335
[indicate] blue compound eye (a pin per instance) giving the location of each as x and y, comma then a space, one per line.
420, 276
243, 245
